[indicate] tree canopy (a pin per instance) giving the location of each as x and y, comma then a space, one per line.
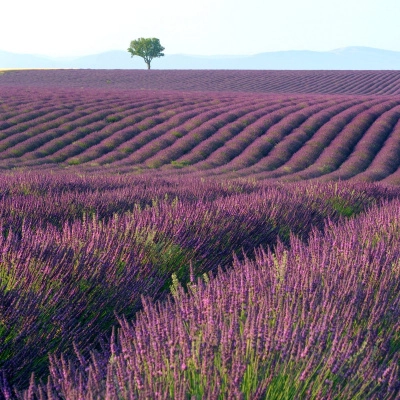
147, 48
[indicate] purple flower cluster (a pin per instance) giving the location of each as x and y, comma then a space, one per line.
78, 250
260, 136
343, 144
317, 319
262, 81
133, 266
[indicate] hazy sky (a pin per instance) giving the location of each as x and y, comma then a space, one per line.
202, 27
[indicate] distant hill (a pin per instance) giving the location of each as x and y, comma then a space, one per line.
348, 58
220, 134
212, 80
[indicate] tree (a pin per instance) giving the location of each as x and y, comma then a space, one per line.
147, 48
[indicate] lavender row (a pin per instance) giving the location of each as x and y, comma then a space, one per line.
343, 144
369, 146
247, 141
55, 197
247, 136
125, 116
291, 137
308, 155
311, 149
115, 146
323, 82
236, 118
143, 146
64, 127
210, 145
105, 241
282, 139
317, 321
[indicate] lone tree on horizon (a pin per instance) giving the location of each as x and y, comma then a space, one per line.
147, 48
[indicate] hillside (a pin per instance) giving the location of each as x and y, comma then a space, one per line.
348, 58
313, 82
199, 234
333, 125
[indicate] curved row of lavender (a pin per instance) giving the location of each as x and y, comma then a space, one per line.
106, 240
284, 137
116, 189
262, 81
314, 316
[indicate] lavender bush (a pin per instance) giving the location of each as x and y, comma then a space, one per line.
290, 137
379, 83
105, 241
319, 320
152, 248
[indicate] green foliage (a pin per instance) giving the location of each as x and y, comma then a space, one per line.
344, 207
73, 161
113, 118
164, 255
283, 387
147, 48
180, 164
197, 381
177, 134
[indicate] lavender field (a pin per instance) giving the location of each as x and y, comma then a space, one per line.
262, 81
319, 125
199, 235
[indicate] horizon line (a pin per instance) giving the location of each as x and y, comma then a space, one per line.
201, 55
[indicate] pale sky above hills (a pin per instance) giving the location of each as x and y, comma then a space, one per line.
207, 27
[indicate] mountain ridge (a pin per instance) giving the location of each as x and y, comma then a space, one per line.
348, 58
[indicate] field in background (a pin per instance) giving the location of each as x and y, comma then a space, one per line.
257, 81
199, 234
286, 125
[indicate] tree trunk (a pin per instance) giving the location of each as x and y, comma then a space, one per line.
148, 65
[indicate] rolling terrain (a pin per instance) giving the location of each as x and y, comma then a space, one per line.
285, 125
257, 81
199, 235
347, 58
